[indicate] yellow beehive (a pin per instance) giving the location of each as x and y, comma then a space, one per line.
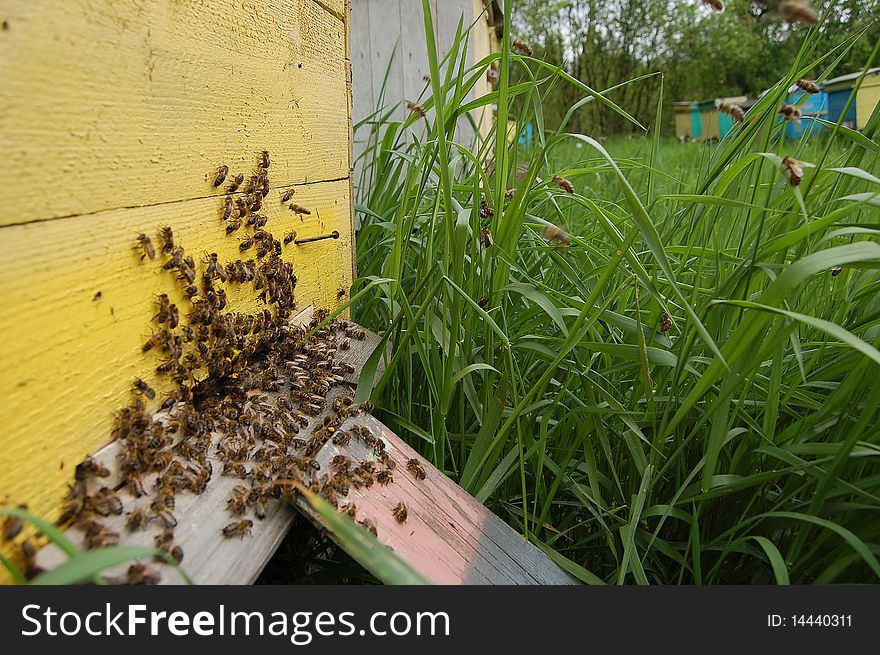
867, 98
114, 118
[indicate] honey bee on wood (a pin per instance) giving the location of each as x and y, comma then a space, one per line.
400, 512
522, 47
415, 467
798, 10
214, 268
287, 195
384, 477
143, 388
557, 235
289, 238
245, 244
717, 5
146, 245
166, 517
238, 500
733, 110
240, 529
837, 270
486, 210
12, 527
89, 468
97, 296
297, 209
233, 186
264, 160
486, 237
370, 525
140, 574
795, 170
563, 183
242, 207
665, 323
417, 109
166, 236
222, 172
790, 112
228, 206
808, 86
233, 225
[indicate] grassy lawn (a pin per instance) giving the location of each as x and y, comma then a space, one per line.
681, 390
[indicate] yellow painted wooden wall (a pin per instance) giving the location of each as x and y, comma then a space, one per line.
867, 99
114, 116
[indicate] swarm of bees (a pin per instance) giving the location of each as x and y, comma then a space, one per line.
251, 400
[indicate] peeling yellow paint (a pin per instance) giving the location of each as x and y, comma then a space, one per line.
113, 118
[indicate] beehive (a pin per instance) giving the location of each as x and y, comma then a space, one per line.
114, 118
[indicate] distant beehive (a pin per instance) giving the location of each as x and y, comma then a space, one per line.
839, 90
115, 117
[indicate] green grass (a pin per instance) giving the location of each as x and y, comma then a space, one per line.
742, 445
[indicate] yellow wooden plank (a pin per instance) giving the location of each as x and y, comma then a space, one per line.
867, 99
67, 360
133, 102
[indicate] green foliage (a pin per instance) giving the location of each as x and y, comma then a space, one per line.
739, 446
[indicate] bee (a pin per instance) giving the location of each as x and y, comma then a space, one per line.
417, 109
242, 207
509, 193
666, 322
399, 512
167, 518
486, 210
143, 388
415, 467
370, 525
233, 186
492, 76
807, 86
222, 172
245, 244
798, 10
341, 292
12, 527
717, 5
289, 238
795, 170
558, 236
164, 313
237, 501
166, 235
97, 296
137, 519
790, 112
287, 195
89, 468
233, 225
733, 110
837, 270
341, 438
426, 78
384, 477
264, 161
140, 574
228, 206
486, 237
297, 209
214, 268
240, 528
176, 259
135, 487
563, 183
522, 47
264, 190
147, 246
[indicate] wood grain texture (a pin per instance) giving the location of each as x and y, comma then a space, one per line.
67, 361
129, 103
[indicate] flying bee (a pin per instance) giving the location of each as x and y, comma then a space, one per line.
790, 112
228, 206
557, 235
296, 209
264, 161
717, 5
666, 323
167, 237
798, 10
563, 183
233, 186
143, 388
399, 512
486, 210
222, 172
522, 47
140, 574
733, 110
240, 528
147, 246
486, 237
416, 108
808, 86
415, 467
426, 78
289, 238
288, 195
837, 270
795, 170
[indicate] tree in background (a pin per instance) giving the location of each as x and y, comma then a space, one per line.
702, 54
